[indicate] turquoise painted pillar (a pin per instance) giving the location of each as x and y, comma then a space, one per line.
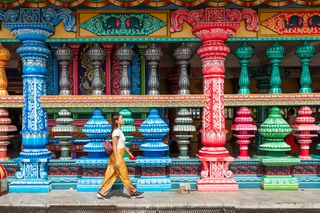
33, 26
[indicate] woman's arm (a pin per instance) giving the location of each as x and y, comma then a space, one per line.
129, 153
115, 140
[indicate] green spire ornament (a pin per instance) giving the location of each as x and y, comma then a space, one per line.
274, 129
128, 127
277, 165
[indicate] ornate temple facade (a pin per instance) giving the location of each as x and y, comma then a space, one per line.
216, 95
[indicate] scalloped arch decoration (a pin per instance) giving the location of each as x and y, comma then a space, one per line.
153, 3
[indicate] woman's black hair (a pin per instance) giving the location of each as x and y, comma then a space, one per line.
115, 118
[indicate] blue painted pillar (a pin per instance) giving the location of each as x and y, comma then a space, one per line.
33, 26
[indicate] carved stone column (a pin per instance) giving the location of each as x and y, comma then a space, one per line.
125, 55
183, 123
97, 55
153, 55
64, 54
214, 26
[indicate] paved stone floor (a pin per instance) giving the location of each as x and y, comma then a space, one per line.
244, 198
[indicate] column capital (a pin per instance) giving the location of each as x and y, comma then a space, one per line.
37, 23
214, 23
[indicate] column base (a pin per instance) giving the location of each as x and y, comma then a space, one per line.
217, 185
304, 157
279, 183
154, 184
184, 157
216, 176
42, 186
243, 157
89, 184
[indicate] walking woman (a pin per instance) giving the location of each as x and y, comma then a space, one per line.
117, 166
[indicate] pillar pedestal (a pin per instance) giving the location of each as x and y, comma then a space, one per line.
216, 176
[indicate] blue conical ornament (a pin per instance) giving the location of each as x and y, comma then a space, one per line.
154, 129
155, 158
97, 129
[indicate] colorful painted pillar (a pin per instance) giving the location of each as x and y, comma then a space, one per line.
183, 123
274, 129
97, 129
154, 176
245, 131
108, 48
243, 122
277, 165
214, 26
33, 26
75, 69
305, 123
304, 130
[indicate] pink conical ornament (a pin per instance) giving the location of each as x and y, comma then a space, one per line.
243, 125
305, 124
4, 129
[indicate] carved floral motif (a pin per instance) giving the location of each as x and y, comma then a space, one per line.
220, 16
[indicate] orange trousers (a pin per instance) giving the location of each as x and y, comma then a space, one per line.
113, 173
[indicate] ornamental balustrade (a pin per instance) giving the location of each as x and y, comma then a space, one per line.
134, 72
304, 97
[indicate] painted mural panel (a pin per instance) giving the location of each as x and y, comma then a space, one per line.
284, 23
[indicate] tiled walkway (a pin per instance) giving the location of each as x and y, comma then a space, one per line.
244, 198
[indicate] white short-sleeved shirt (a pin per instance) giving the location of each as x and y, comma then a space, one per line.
122, 139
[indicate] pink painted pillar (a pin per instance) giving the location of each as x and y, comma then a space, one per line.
214, 26
108, 48
215, 158
75, 61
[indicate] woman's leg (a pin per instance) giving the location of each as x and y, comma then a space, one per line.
110, 177
124, 177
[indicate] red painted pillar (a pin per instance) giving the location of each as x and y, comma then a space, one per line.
108, 48
213, 26
75, 61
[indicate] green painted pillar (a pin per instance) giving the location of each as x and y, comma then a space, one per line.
277, 164
275, 53
305, 52
244, 53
